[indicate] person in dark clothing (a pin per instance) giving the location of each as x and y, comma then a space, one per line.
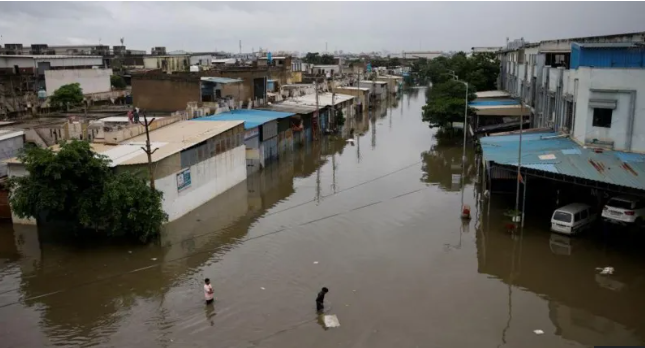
320, 299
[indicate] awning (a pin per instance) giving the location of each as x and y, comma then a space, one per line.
222, 80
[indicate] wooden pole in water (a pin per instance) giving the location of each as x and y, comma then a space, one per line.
519, 156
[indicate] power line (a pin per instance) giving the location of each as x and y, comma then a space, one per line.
223, 229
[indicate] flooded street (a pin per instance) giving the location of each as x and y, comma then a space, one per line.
376, 222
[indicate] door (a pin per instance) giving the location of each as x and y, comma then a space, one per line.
259, 88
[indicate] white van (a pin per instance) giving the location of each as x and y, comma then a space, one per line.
572, 218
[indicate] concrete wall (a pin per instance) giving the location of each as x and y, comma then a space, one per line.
91, 80
116, 136
167, 63
9, 148
164, 95
627, 88
206, 60
31, 62
208, 179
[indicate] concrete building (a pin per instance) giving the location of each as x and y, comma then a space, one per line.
168, 64
378, 89
586, 97
267, 134
11, 142
362, 95
326, 70
591, 88
193, 163
486, 49
342, 102
91, 80
411, 55
22, 76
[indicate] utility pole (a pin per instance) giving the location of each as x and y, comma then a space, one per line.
148, 150
332, 120
519, 158
317, 106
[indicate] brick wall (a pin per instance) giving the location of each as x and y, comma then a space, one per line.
164, 95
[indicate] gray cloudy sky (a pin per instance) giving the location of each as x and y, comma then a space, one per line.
306, 26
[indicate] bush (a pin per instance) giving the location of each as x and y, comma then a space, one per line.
67, 96
117, 82
76, 185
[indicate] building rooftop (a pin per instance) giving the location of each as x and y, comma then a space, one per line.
492, 94
122, 119
10, 133
324, 99
354, 88
609, 44
176, 137
504, 102
367, 82
36, 56
545, 152
221, 80
298, 109
251, 117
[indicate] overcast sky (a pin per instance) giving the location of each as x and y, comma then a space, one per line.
307, 26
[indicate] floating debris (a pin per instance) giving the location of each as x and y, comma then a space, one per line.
154, 259
262, 288
331, 321
315, 262
538, 332
605, 270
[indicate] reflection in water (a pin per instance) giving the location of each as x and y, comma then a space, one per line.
584, 306
405, 269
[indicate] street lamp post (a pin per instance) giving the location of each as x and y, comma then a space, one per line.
463, 154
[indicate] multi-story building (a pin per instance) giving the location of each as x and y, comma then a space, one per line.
592, 88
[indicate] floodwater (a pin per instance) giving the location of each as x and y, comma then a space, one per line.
377, 223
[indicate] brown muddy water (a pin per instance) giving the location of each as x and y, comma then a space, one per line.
377, 223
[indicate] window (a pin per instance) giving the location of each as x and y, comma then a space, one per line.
562, 216
576, 217
584, 214
602, 117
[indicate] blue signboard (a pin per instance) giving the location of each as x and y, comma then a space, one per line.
183, 179
269, 57
369, 67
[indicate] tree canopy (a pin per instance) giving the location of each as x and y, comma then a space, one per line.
445, 100
316, 58
67, 96
446, 103
117, 82
480, 70
76, 185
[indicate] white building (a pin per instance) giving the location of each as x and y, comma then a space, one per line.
194, 162
326, 70
91, 80
378, 89
590, 88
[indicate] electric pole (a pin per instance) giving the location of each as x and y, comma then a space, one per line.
148, 150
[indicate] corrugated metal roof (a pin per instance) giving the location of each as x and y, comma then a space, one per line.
251, 118
608, 55
222, 80
493, 102
298, 109
609, 44
559, 155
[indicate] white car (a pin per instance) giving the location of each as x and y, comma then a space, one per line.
624, 210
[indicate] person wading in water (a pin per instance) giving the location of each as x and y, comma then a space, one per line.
320, 299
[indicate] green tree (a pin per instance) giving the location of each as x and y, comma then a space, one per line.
67, 96
117, 82
76, 185
311, 58
446, 103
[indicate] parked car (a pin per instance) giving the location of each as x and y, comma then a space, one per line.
624, 210
573, 218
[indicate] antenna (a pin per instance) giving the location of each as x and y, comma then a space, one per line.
240, 46
122, 39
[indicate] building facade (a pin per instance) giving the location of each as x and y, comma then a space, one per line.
590, 88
